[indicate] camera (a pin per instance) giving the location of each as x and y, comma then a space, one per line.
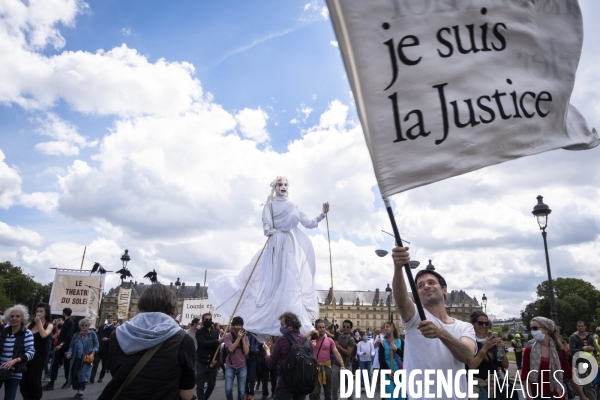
314, 336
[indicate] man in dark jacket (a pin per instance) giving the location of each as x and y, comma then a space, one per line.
583, 341
64, 340
103, 338
208, 341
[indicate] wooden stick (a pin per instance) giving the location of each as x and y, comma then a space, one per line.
409, 275
204, 287
331, 272
241, 295
83, 258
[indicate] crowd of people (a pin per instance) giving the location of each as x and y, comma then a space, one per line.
153, 357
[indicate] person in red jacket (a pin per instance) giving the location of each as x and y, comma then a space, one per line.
545, 363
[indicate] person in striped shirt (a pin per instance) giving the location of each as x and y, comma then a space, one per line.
16, 348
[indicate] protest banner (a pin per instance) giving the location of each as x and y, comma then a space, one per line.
194, 308
77, 290
123, 303
445, 87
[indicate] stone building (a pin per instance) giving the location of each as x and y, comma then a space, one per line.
373, 308
183, 292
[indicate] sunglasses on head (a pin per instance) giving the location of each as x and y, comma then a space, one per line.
482, 323
534, 328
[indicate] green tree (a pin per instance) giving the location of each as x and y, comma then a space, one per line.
16, 287
505, 328
575, 300
530, 311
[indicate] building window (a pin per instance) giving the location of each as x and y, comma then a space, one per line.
357, 324
348, 315
357, 315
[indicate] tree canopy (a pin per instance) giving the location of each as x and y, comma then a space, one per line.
575, 300
16, 287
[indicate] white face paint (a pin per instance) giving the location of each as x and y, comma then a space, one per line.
281, 187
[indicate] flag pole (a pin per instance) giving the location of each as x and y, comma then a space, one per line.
411, 280
83, 258
330, 271
240, 299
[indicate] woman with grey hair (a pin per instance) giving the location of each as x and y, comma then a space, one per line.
16, 348
547, 361
84, 346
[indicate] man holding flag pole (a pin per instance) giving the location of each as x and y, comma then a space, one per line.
443, 89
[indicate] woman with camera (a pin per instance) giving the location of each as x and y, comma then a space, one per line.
490, 360
81, 355
16, 348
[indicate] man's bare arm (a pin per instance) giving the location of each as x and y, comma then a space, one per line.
403, 302
462, 350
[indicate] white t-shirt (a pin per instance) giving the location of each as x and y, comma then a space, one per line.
422, 353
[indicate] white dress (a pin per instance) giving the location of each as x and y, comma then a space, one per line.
284, 277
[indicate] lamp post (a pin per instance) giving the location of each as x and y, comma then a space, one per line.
484, 301
541, 212
388, 290
33, 303
125, 258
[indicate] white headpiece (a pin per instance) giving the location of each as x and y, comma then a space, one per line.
274, 188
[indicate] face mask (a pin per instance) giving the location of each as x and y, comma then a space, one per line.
538, 335
284, 330
482, 341
206, 324
40, 315
365, 338
370, 333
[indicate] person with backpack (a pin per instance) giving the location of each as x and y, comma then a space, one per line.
293, 356
237, 346
323, 347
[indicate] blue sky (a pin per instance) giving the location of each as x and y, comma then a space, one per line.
158, 128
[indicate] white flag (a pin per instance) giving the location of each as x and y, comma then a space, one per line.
445, 87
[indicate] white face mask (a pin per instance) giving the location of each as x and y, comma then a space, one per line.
538, 335
41, 315
281, 187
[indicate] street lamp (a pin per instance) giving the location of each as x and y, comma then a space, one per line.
541, 212
484, 301
125, 258
33, 303
388, 290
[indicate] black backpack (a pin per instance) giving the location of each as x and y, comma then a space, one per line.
300, 372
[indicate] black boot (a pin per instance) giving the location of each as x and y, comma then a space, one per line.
48, 386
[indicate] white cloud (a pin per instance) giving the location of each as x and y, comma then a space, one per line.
253, 124
46, 202
334, 43
312, 11
126, 31
18, 236
68, 140
119, 81
10, 183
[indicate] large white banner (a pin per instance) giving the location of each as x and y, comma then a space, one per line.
444, 87
77, 290
123, 302
195, 308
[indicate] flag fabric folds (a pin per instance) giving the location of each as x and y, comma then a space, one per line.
443, 88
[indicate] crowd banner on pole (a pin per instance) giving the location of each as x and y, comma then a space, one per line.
73, 289
194, 308
123, 303
92, 311
443, 88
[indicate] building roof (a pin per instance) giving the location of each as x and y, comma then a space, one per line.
377, 297
184, 292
